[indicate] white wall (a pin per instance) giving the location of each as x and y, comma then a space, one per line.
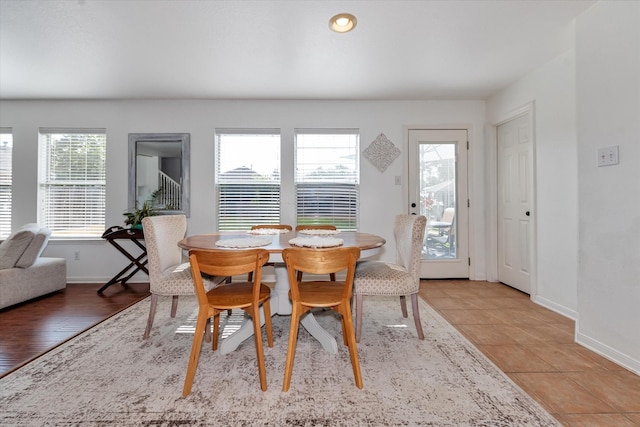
380, 198
552, 90
588, 230
608, 113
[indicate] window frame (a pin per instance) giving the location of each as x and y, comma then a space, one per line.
270, 192
342, 192
83, 220
6, 182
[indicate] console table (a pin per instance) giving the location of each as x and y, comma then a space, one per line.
137, 263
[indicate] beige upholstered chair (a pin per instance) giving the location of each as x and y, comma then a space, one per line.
324, 294
248, 296
401, 278
168, 275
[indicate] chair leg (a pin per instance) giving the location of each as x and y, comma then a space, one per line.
344, 327
359, 298
345, 311
291, 346
403, 305
266, 308
257, 333
152, 314
216, 331
416, 315
207, 330
174, 305
195, 354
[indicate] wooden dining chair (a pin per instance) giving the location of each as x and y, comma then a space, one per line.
299, 227
274, 226
269, 226
325, 294
248, 296
401, 278
315, 227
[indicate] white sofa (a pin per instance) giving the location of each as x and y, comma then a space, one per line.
24, 274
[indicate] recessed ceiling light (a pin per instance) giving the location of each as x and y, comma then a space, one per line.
343, 22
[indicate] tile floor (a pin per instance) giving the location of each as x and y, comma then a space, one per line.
535, 347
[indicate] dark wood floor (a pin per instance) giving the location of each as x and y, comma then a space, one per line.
30, 329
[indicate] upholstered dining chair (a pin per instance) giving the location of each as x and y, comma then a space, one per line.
248, 296
168, 275
299, 227
399, 279
325, 294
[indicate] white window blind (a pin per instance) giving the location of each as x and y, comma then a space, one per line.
247, 178
72, 182
327, 177
6, 177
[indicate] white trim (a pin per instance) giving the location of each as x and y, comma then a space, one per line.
608, 352
560, 309
62, 130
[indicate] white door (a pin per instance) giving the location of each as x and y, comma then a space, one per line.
438, 190
515, 180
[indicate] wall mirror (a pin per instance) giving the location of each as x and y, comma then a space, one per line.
159, 171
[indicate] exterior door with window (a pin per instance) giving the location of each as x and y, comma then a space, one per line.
438, 190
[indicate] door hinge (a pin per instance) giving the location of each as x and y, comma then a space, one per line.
469, 261
467, 145
468, 203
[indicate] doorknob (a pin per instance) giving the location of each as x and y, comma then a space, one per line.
413, 205
527, 213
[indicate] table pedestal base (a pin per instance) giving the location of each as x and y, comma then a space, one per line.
281, 305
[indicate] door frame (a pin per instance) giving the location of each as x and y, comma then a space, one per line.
470, 189
493, 188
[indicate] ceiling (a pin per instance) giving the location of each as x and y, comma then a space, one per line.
188, 49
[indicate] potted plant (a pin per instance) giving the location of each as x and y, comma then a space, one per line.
134, 217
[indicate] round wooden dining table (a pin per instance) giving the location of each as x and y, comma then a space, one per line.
369, 245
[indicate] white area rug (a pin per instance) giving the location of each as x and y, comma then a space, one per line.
110, 376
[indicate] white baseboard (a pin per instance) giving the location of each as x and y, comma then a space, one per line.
560, 309
610, 353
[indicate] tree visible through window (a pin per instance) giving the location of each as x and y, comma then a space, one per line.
72, 182
327, 177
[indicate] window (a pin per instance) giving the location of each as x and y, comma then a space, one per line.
71, 182
6, 149
327, 177
247, 178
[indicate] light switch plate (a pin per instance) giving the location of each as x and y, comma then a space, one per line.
608, 156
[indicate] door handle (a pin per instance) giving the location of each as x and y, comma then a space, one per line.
413, 205
527, 213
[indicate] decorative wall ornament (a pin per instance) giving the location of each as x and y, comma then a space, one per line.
381, 152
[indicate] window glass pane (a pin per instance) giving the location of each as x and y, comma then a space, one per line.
438, 199
6, 176
247, 178
72, 183
327, 177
